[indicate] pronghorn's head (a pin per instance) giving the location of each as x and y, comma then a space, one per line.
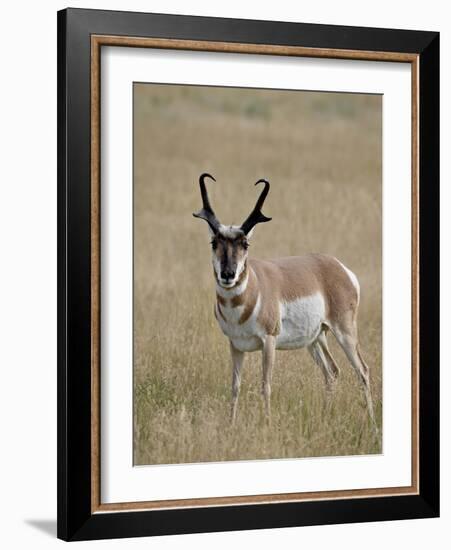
230, 243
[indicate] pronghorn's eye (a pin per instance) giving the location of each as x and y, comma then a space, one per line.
245, 245
214, 244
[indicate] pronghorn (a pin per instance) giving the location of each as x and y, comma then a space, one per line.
284, 303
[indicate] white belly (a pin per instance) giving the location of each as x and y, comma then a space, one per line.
247, 343
300, 322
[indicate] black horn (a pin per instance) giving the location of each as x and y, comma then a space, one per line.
257, 216
207, 212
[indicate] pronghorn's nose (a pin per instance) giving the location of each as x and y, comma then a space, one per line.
227, 274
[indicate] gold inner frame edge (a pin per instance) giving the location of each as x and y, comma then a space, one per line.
97, 41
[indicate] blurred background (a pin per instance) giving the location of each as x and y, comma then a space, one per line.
322, 153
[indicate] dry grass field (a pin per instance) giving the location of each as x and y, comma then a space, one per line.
322, 154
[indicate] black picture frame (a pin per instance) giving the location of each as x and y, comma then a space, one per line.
76, 521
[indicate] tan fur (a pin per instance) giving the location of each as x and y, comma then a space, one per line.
250, 297
286, 279
238, 300
222, 301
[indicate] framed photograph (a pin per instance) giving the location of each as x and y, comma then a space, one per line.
248, 274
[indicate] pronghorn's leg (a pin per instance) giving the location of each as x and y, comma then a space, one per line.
348, 340
331, 365
237, 363
269, 353
321, 359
